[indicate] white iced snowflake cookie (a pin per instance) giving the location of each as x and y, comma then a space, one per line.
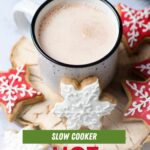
13, 141
82, 106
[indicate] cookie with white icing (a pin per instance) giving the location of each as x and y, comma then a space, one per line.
138, 107
40, 116
13, 141
136, 26
17, 91
142, 68
82, 105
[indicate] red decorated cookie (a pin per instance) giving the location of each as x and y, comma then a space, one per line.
16, 91
136, 26
142, 68
138, 107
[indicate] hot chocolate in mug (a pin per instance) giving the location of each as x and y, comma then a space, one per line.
75, 38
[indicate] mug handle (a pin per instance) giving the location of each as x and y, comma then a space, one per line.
23, 13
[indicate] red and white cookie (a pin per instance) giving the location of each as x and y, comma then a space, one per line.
16, 91
136, 26
142, 68
138, 107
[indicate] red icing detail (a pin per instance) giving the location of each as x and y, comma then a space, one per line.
10, 83
92, 148
142, 22
143, 68
64, 148
140, 103
77, 148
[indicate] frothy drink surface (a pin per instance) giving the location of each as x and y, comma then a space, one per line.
77, 34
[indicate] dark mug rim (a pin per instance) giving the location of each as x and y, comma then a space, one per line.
33, 23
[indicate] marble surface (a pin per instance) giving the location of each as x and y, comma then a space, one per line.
9, 34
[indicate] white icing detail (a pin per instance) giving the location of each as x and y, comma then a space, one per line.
144, 97
10, 89
144, 67
13, 141
136, 21
82, 107
148, 117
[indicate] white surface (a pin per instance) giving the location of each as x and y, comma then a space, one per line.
9, 34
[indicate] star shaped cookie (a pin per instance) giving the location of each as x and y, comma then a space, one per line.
142, 68
13, 141
138, 107
136, 26
82, 106
16, 91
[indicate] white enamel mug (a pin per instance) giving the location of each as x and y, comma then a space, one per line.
52, 70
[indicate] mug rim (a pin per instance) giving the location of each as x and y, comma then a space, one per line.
37, 45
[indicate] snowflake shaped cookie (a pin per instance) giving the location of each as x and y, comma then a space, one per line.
143, 68
136, 26
16, 91
139, 100
13, 141
81, 106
